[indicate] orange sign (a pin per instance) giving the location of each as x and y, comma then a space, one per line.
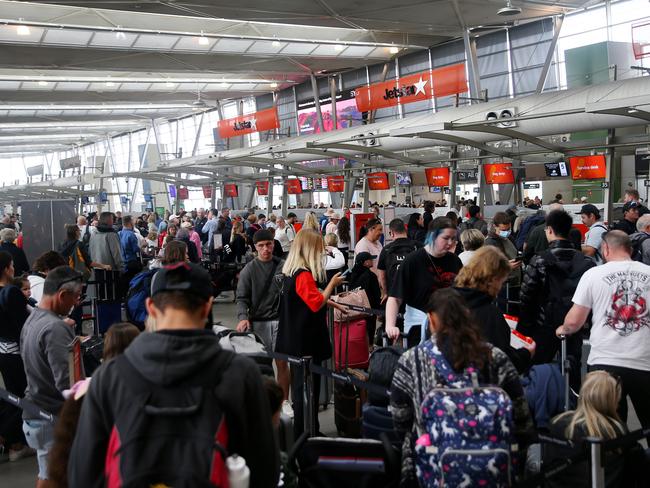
183, 194
255, 122
378, 181
207, 191
588, 167
262, 187
335, 184
230, 190
500, 173
293, 186
437, 176
449, 80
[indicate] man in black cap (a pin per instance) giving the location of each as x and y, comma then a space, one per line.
590, 216
630, 215
174, 405
362, 277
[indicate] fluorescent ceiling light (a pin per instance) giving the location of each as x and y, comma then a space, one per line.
22, 30
132, 79
274, 85
95, 107
204, 41
110, 83
42, 83
46, 137
80, 123
393, 50
339, 47
276, 44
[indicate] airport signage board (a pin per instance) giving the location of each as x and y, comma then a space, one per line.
437, 176
247, 124
498, 174
588, 167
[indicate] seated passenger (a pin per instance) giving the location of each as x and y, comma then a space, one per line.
456, 358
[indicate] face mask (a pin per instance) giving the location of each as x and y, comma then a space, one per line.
504, 233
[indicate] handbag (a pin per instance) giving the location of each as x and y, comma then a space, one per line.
357, 298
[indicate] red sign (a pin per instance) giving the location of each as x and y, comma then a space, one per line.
262, 187
293, 186
230, 190
500, 173
437, 176
588, 167
449, 80
378, 181
183, 194
255, 122
207, 192
335, 184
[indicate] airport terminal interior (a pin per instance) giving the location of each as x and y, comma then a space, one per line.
389, 243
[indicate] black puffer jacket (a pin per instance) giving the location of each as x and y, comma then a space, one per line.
495, 329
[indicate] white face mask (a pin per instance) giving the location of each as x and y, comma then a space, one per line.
504, 233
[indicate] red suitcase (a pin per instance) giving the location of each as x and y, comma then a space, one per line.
351, 345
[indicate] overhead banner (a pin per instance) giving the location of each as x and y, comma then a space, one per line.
172, 191
246, 124
293, 186
449, 80
230, 190
499, 174
437, 176
183, 194
588, 167
378, 181
335, 184
207, 191
262, 187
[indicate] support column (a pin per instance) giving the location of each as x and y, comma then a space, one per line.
472, 66
269, 204
195, 147
285, 197
608, 193
333, 97
453, 177
366, 192
557, 26
314, 88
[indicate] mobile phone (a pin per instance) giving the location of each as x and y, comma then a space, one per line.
346, 272
519, 257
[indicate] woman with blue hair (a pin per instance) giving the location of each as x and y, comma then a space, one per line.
423, 272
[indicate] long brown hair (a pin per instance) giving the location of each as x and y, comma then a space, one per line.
487, 265
118, 338
457, 334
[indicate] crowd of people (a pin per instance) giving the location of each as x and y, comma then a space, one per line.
170, 407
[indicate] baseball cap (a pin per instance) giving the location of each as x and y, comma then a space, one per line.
262, 235
363, 256
629, 206
187, 277
291, 214
589, 209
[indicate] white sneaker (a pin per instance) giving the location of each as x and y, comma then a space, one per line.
22, 453
287, 409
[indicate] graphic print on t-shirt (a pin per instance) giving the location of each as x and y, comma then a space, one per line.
629, 308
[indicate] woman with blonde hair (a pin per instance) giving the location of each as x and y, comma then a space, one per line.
236, 248
595, 416
311, 222
479, 282
471, 239
302, 327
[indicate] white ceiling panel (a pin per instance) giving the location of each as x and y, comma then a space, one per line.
193, 44
22, 113
266, 47
9, 33
359, 51
184, 86
299, 48
34, 85
9, 85
103, 87
113, 39
232, 45
148, 41
68, 37
217, 86
136, 86
71, 86
380, 52
327, 50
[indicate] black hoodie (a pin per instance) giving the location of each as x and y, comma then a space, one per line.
170, 358
494, 326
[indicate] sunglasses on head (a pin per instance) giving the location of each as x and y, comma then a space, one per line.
79, 277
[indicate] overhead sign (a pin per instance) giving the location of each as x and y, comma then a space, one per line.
531, 186
588, 167
207, 191
466, 175
246, 124
440, 82
172, 191
335, 184
378, 181
498, 174
293, 186
148, 197
262, 187
437, 176
183, 194
230, 190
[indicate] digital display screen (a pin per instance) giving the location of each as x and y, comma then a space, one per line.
347, 114
308, 183
403, 178
556, 170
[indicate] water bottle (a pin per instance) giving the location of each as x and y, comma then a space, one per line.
238, 473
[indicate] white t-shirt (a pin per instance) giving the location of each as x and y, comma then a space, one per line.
374, 248
594, 238
618, 293
36, 285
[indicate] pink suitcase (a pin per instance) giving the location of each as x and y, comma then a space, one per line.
351, 345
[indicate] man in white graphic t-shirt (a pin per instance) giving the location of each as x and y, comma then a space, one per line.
618, 293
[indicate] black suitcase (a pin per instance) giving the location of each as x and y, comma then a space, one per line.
348, 403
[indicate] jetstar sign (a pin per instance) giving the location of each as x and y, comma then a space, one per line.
440, 82
255, 122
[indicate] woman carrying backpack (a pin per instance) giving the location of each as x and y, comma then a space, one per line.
437, 403
76, 254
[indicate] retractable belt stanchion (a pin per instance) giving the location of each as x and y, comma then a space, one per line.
597, 467
308, 397
565, 365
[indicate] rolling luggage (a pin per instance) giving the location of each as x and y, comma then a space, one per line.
248, 344
351, 344
348, 402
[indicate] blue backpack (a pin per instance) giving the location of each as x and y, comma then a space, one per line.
466, 430
139, 291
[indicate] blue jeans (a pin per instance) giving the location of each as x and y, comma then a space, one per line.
40, 436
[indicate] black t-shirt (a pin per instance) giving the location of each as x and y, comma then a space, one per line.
421, 274
626, 226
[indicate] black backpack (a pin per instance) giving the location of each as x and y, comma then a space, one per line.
169, 436
395, 256
637, 241
382, 366
561, 285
